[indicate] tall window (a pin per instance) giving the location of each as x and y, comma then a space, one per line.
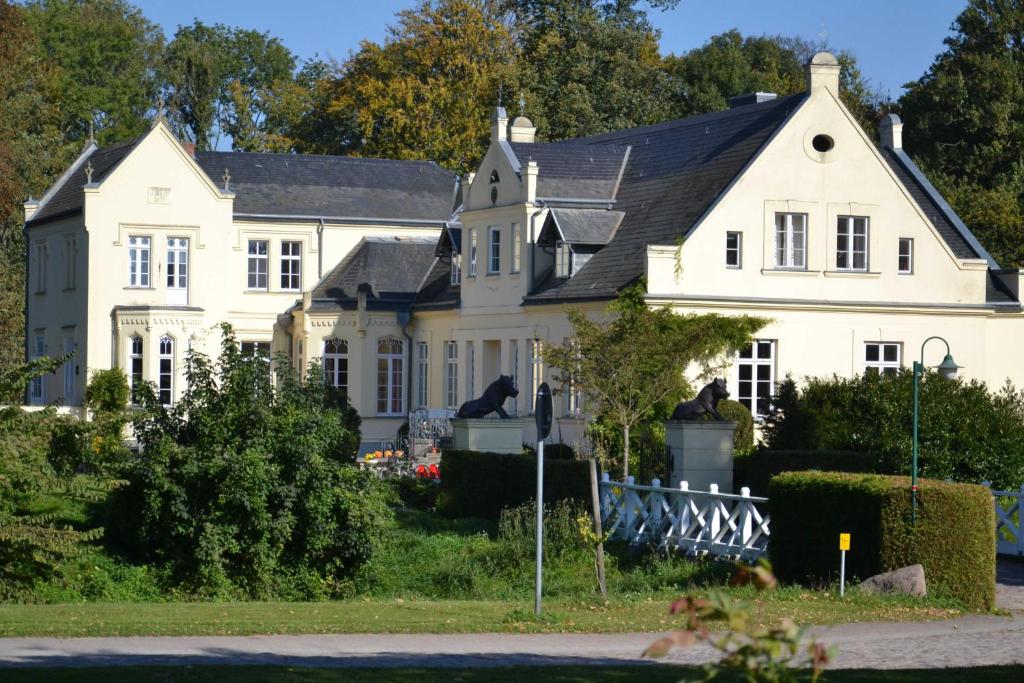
536, 368
513, 369
257, 264
470, 371
70, 259
166, 374
493, 250
906, 260
563, 260
517, 248
755, 369
291, 266
255, 349
882, 357
36, 392
336, 363
790, 240
135, 365
138, 261
573, 396
40, 264
733, 250
451, 375
69, 370
390, 375
472, 252
852, 243
422, 373
456, 269
177, 263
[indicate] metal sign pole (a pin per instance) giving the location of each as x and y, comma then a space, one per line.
542, 418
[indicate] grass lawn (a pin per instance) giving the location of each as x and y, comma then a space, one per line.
551, 674
379, 615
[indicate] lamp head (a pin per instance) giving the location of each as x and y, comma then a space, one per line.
948, 367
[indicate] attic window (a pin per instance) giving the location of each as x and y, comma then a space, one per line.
822, 143
494, 177
563, 260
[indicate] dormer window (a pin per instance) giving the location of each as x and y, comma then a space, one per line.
563, 260
456, 269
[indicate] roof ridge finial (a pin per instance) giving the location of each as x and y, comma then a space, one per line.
227, 180
88, 172
161, 111
522, 103
92, 133
500, 93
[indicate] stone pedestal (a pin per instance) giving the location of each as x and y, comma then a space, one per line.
702, 453
489, 434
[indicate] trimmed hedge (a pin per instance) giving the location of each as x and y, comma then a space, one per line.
756, 469
743, 437
954, 537
478, 484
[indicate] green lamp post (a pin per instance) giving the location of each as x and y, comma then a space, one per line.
947, 370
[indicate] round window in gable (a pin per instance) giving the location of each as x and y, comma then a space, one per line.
822, 143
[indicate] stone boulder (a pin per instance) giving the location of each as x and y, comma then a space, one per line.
906, 581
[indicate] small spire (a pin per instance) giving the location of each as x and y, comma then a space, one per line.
92, 133
522, 103
227, 180
161, 113
500, 86
88, 172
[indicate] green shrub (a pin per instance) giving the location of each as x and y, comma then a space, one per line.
241, 489
953, 537
107, 391
756, 469
559, 451
415, 493
477, 484
967, 433
743, 437
517, 528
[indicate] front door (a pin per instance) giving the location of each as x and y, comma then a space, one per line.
177, 271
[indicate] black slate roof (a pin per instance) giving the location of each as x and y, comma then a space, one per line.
391, 269
573, 171
450, 240
675, 171
334, 186
580, 226
69, 198
437, 291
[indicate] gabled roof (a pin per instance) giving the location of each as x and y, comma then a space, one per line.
450, 240
310, 185
68, 198
580, 226
437, 291
390, 270
675, 171
573, 171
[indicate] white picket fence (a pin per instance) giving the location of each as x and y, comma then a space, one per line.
695, 522
1009, 522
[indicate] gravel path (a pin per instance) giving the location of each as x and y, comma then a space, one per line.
968, 641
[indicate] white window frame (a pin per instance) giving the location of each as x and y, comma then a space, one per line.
563, 259
291, 266
255, 349
70, 261
456, 278
41, 257
536, 349
909, 256
69, 369
881, 364
470, 371
788, 227
748, 389
37, 387
390, 386
422, 375
451, 380
517, 248
513, 370
136, 365
177, 263
334, 357
573, 396
848, 230
472, 253
140, 260
165, 370
494, 250
735, 250
253, 271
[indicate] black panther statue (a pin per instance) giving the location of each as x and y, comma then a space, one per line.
491, 401
706, 402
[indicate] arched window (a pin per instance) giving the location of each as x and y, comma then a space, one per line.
135, 364
166, 370
390, 376
336, 363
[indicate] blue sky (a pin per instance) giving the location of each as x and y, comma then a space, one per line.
894, 40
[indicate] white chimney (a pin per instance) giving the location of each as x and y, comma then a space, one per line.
522, 130
499, 124
530, 173
890, 132
823, 72
31, 206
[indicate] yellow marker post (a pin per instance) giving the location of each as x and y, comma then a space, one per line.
844, 545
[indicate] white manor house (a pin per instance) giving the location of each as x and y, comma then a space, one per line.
415, 289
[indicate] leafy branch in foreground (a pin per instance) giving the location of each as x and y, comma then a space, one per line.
777, 654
